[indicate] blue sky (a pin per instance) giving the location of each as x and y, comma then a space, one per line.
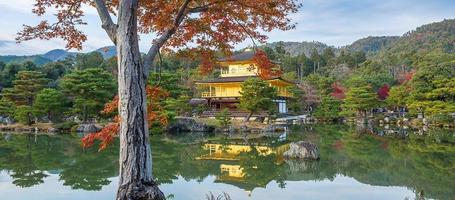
334, 22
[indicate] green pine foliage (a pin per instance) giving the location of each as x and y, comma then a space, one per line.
50, 103
88, 91
223, 117
7, 108
257, 96
361, 100
329, 109
26, 87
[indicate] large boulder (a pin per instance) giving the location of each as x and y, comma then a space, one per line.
302, 150
188, 124
88, 128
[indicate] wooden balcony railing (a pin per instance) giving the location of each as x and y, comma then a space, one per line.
208, 94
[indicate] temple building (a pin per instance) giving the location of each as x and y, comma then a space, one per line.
224, 91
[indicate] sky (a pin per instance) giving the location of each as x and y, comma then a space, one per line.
334, 22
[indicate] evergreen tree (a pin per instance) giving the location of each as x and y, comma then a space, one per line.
89, 90
223, 117
26, 87
88, 60
257, 96
328, 109
49, 102
360, 100
6, 108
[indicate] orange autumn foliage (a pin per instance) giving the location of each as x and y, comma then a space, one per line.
267, 68
155, 114
203, 25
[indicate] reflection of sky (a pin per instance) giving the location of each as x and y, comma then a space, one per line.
341, 187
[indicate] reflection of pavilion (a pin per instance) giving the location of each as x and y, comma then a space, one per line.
231, 171
230, 152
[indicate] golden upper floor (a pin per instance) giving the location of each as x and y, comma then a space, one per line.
231, 87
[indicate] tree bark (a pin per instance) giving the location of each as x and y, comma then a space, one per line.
135, 178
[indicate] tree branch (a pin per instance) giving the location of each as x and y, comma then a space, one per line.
106, 20
157, 44
204, 8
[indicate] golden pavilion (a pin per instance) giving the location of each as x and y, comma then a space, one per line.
224, 91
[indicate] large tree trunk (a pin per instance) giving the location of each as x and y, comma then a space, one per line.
135, 178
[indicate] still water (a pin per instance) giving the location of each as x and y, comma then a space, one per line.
400, 164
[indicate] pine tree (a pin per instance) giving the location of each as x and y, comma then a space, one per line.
89, 89
360, 100
49, 102
257, 96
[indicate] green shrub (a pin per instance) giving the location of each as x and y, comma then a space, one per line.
65, 126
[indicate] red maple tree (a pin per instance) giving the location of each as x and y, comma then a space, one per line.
383, 92
266, 68
202, 25
155, 114
338, 91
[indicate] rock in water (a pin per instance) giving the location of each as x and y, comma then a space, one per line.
302, 150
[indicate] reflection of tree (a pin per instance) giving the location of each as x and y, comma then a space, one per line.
27, 158
27, 177
421, 163
259, 169
19, 160
90, 170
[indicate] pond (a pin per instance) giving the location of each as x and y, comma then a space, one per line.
401, 164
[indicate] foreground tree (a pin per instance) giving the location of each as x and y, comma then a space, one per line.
210, 24
257, 96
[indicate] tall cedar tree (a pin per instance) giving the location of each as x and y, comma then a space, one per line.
208, 24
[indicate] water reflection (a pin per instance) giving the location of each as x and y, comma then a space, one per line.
424, 163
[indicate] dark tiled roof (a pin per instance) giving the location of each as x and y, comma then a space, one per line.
246, 55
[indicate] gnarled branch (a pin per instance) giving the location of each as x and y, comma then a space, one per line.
106, 21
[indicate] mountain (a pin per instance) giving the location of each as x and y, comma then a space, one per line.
372, 44
58, 54
54, 55
108, 51
37, 59
298, 48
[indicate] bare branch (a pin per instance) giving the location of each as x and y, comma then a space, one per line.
106, 20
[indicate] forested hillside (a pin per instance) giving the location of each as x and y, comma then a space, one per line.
414, 72
299, 48
371, 45
438, 37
